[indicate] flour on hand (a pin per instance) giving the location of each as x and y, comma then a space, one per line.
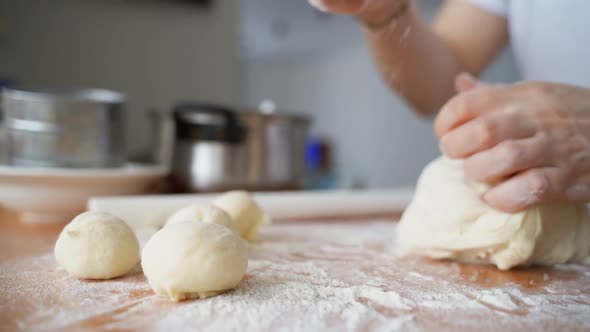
318, 4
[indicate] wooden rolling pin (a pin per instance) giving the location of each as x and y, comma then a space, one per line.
153, 210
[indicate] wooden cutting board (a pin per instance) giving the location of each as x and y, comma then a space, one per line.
302, 276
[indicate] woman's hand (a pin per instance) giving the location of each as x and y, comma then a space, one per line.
530, 141
372, 13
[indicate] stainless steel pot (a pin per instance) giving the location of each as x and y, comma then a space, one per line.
77, 128
217, 148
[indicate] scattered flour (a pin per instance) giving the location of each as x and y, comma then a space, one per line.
305, 277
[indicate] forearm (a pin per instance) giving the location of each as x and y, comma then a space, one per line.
414, 61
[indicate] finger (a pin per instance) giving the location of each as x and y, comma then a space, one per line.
485, 132
525, 189
465, 82
468, 105
507, 158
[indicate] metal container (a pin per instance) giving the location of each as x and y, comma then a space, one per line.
76, 128
218, 148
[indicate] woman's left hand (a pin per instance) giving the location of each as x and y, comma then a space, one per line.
530, 141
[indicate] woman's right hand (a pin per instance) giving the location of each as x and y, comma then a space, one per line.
372, 13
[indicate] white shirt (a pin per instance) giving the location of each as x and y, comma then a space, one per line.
550, 38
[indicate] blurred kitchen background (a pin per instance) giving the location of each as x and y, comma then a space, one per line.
233, 52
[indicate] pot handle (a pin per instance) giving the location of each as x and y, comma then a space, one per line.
181, 110
186, 116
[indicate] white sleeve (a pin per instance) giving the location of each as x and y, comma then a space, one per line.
496, 7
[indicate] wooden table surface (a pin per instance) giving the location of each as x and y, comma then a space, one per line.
302, 276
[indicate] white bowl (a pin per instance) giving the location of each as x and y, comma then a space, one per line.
58, 194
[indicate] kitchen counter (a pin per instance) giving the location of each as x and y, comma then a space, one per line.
302, 276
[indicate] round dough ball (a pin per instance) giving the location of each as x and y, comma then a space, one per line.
202, 213
448, 220
97, 245
189, 259
247, 215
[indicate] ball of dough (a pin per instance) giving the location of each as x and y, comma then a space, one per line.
97, 245
188, 259
447, 220
202, 213
247, 215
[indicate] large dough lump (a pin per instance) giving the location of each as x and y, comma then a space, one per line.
97, 245
447, 220
194, 259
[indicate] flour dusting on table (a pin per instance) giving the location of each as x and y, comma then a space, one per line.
307, 277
